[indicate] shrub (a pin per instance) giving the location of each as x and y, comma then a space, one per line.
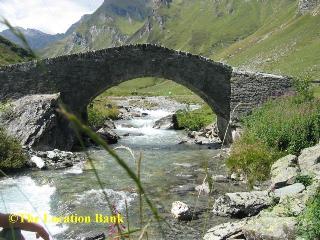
195, 120
253, 158
11, 153
306, 180
285, 124
279, 127
98, 112
309, 220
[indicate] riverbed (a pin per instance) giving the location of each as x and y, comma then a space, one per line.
169, 172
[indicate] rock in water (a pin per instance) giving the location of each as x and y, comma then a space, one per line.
108, 135
284, 171
164, 123
34, 121
224, 231
37, 161
242, 204
181, 211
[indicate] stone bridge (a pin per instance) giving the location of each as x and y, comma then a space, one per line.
79, 78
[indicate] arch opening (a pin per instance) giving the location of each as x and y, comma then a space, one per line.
194, 111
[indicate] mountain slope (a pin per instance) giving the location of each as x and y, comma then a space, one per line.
274, 36
110, 25
11, 53
257, 35
35, 38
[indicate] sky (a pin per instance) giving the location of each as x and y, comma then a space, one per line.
49, 16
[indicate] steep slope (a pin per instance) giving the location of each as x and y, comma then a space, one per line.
273, 36
110, 25
270, 36
35, 38
11, 53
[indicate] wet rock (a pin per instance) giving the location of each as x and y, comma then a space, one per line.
164, 123
183, 189
203, 188
108, 135
39, 163
284, 171
309, 160
34, 121
242, 204
225, 231
275, 228
219, 178
109, 124
55, 159
181, 211
185, 165
291, 190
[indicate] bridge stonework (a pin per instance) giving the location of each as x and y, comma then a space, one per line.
79, 78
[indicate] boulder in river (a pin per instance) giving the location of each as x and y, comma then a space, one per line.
225, 231
54, 159
181, 211
108, 135
242, 204
165, 123
34, 121
109, 124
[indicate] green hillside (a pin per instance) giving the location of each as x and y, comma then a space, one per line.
11, 53
257, 35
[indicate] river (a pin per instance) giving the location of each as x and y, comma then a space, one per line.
169, 172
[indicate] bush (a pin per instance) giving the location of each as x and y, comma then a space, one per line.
309, 220
285, 124
195, 120
100, 111
11, 153
253, 158
279, 127
306, 180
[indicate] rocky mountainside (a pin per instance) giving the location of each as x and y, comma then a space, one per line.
110, 25
35, 38
11, 53
273, 36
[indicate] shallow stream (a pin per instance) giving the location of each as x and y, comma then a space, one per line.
169, 172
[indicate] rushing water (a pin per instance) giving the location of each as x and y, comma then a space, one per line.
169, 172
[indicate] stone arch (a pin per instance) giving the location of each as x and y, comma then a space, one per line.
79, 78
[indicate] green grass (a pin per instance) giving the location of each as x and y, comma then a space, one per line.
196, 119
306, 180
100, 110
280, 127
11, 53
11, 154
309, 220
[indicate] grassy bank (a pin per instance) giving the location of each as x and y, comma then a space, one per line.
280, 127
100, 110
11, 153
195, 120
